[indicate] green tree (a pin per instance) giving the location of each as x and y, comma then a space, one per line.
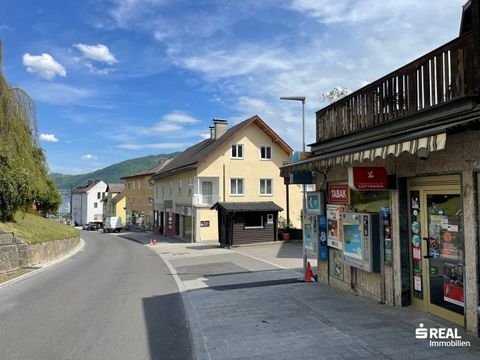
23, 170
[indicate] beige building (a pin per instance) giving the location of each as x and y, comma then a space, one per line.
240, 164
139, 197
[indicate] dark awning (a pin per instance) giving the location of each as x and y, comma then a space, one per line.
254, 206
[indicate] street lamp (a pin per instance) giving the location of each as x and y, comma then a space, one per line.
302, 99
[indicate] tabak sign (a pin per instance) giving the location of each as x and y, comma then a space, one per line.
367, 178
338, 194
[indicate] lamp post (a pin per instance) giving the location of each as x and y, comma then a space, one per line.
302, 99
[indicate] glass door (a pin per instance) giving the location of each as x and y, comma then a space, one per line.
437, 250
444, 254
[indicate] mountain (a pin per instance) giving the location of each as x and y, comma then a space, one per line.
110, 174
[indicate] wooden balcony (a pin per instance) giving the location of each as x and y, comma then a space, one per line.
439, 77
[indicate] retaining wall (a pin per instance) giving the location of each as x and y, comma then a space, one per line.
15, 253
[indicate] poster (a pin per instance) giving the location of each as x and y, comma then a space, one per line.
308, 237
453, 284
352, 238
387, 234
336, 264
417, 282
334, 226
416, 244
322, 237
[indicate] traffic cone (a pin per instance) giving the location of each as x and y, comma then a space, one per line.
154, 242
308, 273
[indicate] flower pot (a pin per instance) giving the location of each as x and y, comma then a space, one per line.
286, 236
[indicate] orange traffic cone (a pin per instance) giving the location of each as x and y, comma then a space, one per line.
308, 273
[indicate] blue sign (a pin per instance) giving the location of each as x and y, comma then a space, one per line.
322, 238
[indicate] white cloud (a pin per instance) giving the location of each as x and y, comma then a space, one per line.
180, 118
44, 65
94, 70
89, 157
48, 137
99, 52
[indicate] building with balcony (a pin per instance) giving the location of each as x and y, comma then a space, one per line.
407, 146
238, 164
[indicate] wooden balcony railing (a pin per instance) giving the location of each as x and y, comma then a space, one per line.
435, 78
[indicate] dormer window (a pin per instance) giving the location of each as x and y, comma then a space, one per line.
237, 151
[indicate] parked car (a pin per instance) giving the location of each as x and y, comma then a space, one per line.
90, 226
112, 224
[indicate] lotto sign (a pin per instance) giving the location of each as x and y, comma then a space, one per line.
338, 194
368, 178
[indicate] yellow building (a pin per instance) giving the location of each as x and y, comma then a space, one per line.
240, 164
114, 202
139, 197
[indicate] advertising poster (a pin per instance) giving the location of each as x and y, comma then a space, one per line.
352, 239
313, 203
322, 237
334, 226
416, 244
308, 237
387, 234
453, 284
336, 264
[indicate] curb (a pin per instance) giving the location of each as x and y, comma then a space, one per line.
45, 266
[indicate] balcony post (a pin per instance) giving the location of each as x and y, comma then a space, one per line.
476, 44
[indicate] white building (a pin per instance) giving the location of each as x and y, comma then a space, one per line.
87, 202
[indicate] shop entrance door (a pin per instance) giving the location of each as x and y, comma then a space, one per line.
437, 247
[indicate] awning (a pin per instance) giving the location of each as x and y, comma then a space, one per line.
252, 206
429, 143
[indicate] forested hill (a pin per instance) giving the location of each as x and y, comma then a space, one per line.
110, 174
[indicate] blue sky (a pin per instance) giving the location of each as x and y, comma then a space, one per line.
118, 79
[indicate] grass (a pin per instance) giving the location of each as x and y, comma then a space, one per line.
13, 274
35, 229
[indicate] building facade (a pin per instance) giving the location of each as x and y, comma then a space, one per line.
237, 164
114, 202
139, 198
87, 202
406, 149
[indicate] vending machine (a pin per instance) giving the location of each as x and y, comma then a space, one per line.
361, 241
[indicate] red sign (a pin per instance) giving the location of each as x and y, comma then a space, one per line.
368, 178
338, 194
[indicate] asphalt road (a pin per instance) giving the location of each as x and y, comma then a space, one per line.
114, 299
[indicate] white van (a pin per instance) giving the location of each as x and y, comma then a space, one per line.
112, 224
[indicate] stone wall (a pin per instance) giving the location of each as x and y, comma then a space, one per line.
15, 254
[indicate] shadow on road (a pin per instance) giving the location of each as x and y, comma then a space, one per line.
167, 328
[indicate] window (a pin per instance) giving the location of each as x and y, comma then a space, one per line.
163, 192
265, 186
207, 192
128, 186
265, 153
190, 187
237, 151
253, 221
236, 187
95, 205
98, 195
179, 187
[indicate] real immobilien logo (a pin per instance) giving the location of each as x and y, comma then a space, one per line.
448, 337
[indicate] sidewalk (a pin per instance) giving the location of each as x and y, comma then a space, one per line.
247, 303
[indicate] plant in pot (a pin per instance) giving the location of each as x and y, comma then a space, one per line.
284, 227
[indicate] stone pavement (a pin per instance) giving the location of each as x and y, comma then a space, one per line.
247, 303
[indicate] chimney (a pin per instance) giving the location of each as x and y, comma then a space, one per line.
220, 127
212, 132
